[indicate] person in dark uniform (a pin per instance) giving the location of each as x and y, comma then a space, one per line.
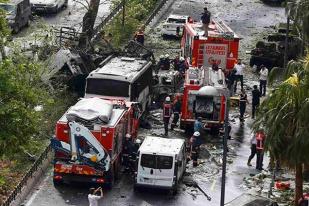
128, 148
176, 63
256, 94
167, 112
177, 111
242, 104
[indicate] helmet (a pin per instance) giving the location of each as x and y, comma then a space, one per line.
128, 135
167, 56
138, 141
167, 99
181, 59
196, 134
162, 56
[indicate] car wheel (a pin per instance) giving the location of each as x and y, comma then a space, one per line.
56, 10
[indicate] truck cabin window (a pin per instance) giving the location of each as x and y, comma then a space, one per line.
176, 21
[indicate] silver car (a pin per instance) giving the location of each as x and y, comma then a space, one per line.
48, 6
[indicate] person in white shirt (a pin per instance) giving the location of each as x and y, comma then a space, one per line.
93, 196
263, 79
239, 75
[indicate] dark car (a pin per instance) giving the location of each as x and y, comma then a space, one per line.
18, 13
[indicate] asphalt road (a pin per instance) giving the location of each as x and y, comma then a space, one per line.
248, 19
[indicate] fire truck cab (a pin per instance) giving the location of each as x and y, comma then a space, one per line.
220, 47
203, 96
89, 140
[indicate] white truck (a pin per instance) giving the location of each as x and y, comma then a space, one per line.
161, 163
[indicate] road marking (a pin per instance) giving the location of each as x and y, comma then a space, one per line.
213, 185
32, 198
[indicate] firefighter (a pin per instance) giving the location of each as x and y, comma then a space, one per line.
183, 66
161, 62
176, 63
260, 140
176, 111
195, 145
167, 112
127, 152
243, 100
139, 36
256, 94
167, 62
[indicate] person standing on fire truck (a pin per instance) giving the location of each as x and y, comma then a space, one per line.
239, 75
205, 20
167, 112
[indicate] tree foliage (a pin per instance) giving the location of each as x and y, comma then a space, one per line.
284, 115
136, 12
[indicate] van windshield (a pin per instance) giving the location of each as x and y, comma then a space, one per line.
8, 8
156, 161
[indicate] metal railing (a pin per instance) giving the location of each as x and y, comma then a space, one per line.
27, 176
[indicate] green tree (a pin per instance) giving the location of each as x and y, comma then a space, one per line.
284, 115
299, 13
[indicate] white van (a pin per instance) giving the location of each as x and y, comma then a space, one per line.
173, 25
161, 163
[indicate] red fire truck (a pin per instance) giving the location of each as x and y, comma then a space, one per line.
203, 96
220, 47
89, 140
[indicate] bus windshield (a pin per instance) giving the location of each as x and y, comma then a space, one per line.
157, 161
107, 87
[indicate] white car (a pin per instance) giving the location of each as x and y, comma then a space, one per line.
173, 25
48, 6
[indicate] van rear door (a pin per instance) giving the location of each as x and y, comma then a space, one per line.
146, 169
164, 172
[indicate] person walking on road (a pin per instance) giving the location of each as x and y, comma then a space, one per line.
260, 140
256, 94
176, 111
243, 100
94, 197
253, 149
205, 20
263, 79
239, 74
167, 112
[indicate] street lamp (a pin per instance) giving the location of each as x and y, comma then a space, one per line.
226, 134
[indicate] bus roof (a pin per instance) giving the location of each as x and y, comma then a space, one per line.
217, 28
159, 145
120, 68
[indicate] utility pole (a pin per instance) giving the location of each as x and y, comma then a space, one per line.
286, 43
123, 12
226, 134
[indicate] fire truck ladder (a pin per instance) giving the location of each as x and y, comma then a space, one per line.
224, 29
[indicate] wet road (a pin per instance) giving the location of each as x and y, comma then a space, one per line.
248, 19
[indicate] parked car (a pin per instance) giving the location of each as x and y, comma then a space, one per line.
48, 6
18, 13
173, 25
